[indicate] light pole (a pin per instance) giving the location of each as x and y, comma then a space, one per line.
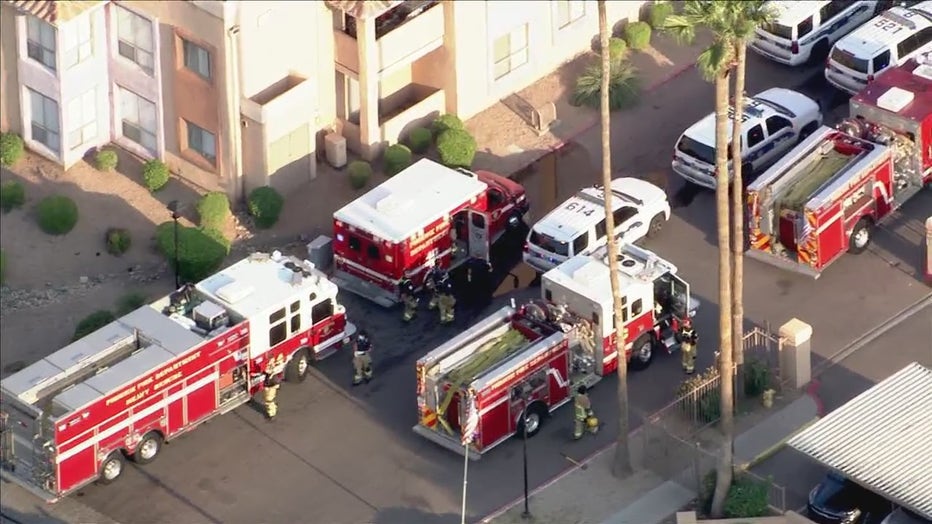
525, 392
174, 207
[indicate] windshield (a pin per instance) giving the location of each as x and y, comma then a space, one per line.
850, 61
780, 30
698, 150
550, 244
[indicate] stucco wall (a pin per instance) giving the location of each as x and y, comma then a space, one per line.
10, 115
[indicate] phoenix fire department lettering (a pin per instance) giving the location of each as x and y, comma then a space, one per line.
427, 240
136, 391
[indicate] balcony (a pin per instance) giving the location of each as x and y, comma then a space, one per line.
414, 106
404, 33
282, 106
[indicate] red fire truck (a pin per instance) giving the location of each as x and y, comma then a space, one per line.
826, 196
535, 356
163, 369
425, 215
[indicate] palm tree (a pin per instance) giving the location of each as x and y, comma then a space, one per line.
621, 465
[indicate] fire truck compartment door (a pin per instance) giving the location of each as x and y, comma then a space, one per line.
478, 235
679, 290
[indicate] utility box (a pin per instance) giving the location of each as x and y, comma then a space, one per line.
335, 148
320, 252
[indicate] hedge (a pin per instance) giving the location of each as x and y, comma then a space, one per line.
200, 252
659, 12
106, 160
57, 214
359, 173
131, 302
419, 140
265, 206
2, 266
213, 209
617, 49
637, 35
155, 174
746, 498
92, 323
397, 158
456, 147
12, 195
445, 122
118, 241
11, 149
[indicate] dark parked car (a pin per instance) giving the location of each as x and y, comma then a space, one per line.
837, 500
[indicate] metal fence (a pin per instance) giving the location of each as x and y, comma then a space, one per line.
762, 349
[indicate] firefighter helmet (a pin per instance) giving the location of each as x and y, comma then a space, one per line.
581, 389
362, 340
592, 421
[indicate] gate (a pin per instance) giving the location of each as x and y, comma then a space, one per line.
762, 366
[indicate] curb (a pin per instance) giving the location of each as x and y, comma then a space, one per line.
772, 450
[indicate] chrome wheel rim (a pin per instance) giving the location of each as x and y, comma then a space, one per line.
112, 469
148, 449
861, 237
644, 352
532, 422
302, 365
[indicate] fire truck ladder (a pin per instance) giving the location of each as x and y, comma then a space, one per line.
7, 455
43, 454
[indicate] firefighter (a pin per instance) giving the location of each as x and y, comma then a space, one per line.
585, 419
272, 383
436, 278
446, 302
408, 298
362, 361
688, 341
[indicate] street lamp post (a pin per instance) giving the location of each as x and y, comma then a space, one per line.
174, 206
526, 514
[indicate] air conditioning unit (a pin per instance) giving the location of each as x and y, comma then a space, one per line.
335, 147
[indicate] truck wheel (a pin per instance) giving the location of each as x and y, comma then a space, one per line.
806, 131
535, 420
860, 236
819, 52
656, 224
642, 353
112, 467
148, 448
298, 366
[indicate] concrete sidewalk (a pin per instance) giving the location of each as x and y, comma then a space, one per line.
18, 506
589, 494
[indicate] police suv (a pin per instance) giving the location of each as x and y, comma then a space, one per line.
577, 226
803, 32
888, 40
773, 122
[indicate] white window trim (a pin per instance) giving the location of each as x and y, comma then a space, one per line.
193, 129
34, 24
522, 51
136, 47
83, 46
136, 121
200, 59
44, 125
572, 5
82, 127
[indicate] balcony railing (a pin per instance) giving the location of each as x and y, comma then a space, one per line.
393, 18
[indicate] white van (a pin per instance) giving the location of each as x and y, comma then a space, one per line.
803, 32
577, 226
888, 40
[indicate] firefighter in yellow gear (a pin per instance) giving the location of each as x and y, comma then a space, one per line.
269, 393
446, 302
435, 280
362, 361
408, 298
689, 340
584, 419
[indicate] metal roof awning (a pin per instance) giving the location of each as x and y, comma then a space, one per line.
881, 439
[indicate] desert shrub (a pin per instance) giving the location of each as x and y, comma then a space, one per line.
624, 87
265, 206
2, 266
747, 498
217, 236
92, 323
756, 377
12, 195
118, 241
57, 214
456, 147
155, 174
106, 160
11, 149
131, 302
213, 209
359, 173
419, 139
637, 35
397, 157
659, 12
200, 253
617, 49
445, 122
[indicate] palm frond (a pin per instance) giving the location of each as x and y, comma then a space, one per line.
715, 60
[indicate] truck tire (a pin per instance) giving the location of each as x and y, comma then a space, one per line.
642, 352
860, 236
112, 467
148, 448
819, 52
298, 367
656, 224
536, 413
807, 130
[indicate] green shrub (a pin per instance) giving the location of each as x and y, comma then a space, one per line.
131, 302
213, 209
265, 206
118, 241
217, 236
624, 87
419, 139
457, 148
637, 35
698, 399
659, 12
617, 49
106, 160
92, 323
200, 253
11, 149
2, 266
756, 377
445, 122
359, 173
57, 214
12, 195
155, 174
397, 158
747, 498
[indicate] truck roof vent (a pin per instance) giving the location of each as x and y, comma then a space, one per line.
924, 70
895, 99
234, 292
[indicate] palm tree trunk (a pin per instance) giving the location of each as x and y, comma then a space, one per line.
725, 468
738, 223
621, 465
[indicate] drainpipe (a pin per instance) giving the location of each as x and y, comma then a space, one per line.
234, 93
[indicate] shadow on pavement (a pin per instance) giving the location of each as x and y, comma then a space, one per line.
411, 516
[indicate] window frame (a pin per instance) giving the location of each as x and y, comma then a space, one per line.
521, 53
584, 237
620, 219
194, 57
137, 125
772, 132
326, 305
832, 10
747, 135
83, 46
44, 126
86, 125
571, 15
37, 49
197, 145
132, 45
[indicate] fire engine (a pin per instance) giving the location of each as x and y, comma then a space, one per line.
826, 196
163, 369
426, 215
531, 359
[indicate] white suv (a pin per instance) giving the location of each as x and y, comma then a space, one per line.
773, 122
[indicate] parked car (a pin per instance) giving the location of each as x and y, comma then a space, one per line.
837, 500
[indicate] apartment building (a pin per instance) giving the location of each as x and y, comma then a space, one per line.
245, 92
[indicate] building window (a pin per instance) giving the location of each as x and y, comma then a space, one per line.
40, 42
134, 38
569, 11
202, 141
510, 52
197, 59
76, 42
45, 126
138, 119
82, 119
